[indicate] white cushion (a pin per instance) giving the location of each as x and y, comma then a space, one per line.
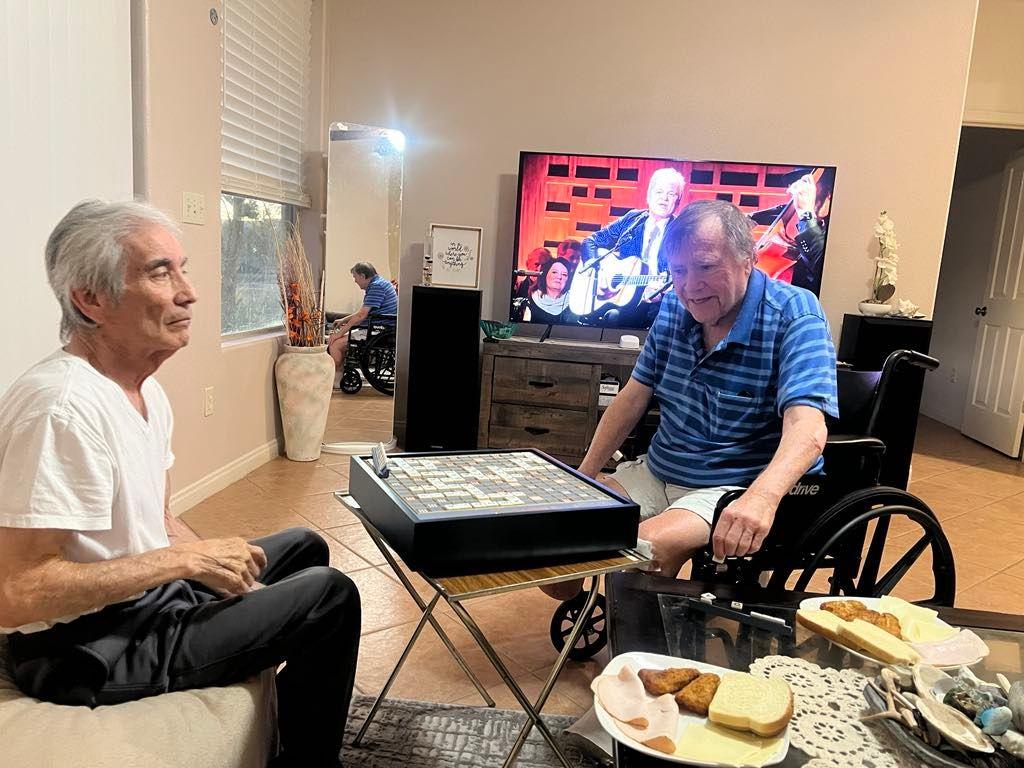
208, 727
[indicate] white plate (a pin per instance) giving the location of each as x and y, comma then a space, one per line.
872, 604
640, 661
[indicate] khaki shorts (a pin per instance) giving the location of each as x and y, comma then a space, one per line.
655, 496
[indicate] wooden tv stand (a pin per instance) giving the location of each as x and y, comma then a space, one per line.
545, 395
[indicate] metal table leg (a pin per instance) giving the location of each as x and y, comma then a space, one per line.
532, 710
433, 622
394, 673
556, 670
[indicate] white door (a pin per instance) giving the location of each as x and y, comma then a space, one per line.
994, 411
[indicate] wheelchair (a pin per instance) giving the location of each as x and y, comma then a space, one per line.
371, 357
836, 523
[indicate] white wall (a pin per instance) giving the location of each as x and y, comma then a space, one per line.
874, 87
995, 87
966, 257
65, 135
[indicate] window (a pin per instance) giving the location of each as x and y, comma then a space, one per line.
250, 298
265, 79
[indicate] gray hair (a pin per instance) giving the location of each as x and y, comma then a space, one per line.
86, 251
670, 175
364, 269
682, 230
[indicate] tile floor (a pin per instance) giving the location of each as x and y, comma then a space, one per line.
977, 493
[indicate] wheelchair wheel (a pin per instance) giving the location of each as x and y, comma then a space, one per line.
837, 541
378, 363
351, 381
594, 636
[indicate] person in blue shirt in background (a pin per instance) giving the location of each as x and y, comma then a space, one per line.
744, 371
381, 299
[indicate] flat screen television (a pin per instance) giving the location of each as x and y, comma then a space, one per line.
584, 251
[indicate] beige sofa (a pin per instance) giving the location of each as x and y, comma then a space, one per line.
234, 727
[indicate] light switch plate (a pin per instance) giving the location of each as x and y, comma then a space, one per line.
193, 208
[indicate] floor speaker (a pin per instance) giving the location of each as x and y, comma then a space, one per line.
443, 404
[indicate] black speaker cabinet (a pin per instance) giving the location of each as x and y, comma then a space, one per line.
443, 405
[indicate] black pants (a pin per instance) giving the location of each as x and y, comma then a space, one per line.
182, 635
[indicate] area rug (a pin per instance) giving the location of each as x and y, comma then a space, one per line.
418, 734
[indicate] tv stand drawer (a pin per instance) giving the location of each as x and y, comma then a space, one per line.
551, 383
552, 430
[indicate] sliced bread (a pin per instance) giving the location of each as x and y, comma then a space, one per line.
825, 623
876, 642
754, 704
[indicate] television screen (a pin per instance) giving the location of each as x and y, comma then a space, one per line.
588, 230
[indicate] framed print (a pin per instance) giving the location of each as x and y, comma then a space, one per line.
455, 254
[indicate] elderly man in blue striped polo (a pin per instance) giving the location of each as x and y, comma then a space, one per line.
744, 371
381, 298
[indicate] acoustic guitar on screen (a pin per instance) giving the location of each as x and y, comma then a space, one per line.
614, 282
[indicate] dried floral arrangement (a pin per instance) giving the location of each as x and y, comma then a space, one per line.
301, 301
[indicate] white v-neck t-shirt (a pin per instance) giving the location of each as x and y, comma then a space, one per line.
76, 455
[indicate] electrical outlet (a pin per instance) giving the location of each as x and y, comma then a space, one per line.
952, 375
193, 208
208, 401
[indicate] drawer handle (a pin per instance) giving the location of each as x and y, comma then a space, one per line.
541, 384
537, 430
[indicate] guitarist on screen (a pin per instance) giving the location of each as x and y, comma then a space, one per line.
620, 280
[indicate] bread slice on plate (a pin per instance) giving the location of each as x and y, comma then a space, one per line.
876, 642
825, 623
754, 704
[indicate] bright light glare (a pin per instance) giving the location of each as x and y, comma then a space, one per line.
397, 139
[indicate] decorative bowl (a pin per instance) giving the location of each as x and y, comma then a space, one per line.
494, 329
877, 310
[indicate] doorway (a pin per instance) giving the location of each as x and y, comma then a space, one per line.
972, 237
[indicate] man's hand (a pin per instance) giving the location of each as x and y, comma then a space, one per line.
743, 526
229, 566
803, 192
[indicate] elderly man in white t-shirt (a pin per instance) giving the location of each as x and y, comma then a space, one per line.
98, 605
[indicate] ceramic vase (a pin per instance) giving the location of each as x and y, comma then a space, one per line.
304, 376
877, 310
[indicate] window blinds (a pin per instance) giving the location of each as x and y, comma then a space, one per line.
265, 60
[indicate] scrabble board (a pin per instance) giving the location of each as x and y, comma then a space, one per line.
496, 481
447, 513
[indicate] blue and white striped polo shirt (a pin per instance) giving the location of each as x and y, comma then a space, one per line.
721, 412
381, 297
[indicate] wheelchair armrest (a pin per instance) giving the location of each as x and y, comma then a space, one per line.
378, 316
838, 446
857, 458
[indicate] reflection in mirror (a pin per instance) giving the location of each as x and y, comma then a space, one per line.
364, 211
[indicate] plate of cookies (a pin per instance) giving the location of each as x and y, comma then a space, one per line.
889, 630
693, 713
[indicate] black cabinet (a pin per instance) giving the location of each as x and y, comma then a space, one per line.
866, 341
865, 344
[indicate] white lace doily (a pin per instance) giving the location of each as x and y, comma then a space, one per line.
827, 706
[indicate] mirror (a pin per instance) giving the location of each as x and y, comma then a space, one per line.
364, 211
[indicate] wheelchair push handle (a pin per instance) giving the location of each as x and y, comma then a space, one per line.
912, 357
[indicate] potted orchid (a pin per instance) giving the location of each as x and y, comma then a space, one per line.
883, 285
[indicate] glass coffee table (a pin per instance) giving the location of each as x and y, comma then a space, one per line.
659, 615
